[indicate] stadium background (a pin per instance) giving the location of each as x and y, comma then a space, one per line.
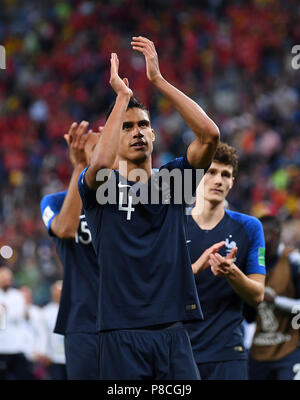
233, 57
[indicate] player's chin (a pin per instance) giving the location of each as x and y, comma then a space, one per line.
215, 198
139, 155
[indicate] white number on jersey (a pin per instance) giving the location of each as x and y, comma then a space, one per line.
85, 236
129, 209
296, 369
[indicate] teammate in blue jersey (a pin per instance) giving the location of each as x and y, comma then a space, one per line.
236, 272
147, 286
275, 350
66, 223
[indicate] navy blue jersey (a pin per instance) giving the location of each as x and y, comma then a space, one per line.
78, 304
145, 269
219, 336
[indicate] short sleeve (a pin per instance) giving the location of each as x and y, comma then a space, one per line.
256, 255
50, 208
88, 195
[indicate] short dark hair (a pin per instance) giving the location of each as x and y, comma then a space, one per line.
227, 155
133, 103
272, 221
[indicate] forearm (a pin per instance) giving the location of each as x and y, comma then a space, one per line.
106, 150
201, 263
65, 224
197, 266
194, 116
250, 290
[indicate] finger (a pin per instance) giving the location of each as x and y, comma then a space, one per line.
140, 49
86, 136
213, 262
220, 259
114, 63
72, 128
145, 48
72, 131
67, 139
218, 246
138, 44
82, 141
232, 253
141, 39
81, 129
78, 133
215, 270
100, 128
212, 256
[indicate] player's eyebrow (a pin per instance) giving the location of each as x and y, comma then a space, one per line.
144, 122
127, 124
226, 172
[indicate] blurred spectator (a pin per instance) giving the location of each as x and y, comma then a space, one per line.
34, 335
13, 364
55, 342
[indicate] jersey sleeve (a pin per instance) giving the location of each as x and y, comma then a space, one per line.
50, 208
191, 176
88, 195
256, 256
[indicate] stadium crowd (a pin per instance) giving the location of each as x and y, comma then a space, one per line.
232, 57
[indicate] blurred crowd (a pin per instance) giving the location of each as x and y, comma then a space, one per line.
232, 57
29, 350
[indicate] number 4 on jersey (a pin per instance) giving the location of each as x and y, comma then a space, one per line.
129, 207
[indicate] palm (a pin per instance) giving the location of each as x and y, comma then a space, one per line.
147, 48
119, 85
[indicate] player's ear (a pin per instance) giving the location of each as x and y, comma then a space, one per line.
232, 182
153, 135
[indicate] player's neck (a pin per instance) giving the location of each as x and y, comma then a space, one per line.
209, 215
126, 168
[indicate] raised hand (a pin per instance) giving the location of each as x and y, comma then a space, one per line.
119, 85
222, 266
76, 139
146, 47
203, 261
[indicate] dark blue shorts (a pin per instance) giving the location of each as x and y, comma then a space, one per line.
164, 354
82, 361
286, 368
224, 370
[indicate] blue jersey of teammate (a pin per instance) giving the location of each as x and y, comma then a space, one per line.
145, 270
219, 336
78, 304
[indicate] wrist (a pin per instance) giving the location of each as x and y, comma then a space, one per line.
233, 272
124, 95
80, 166
157, 80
